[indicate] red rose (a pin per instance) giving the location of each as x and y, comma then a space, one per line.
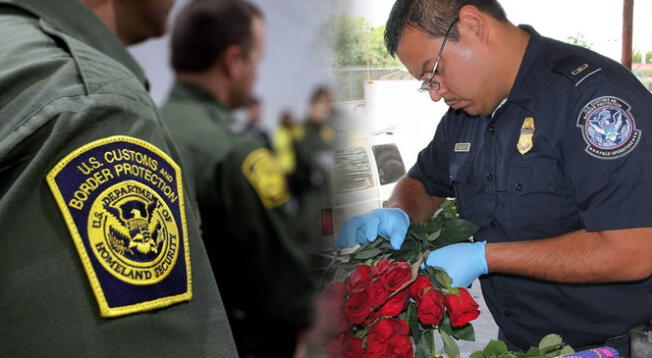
359, 279
462, 308
379, 337
377, 344
417, 287
395, 305
377, 293
385, 328
396, 276
401, 327
357, 307
380, 267
354, 349
401, 346
430, 309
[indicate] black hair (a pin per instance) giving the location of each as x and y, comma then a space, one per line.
205, 28
432, 16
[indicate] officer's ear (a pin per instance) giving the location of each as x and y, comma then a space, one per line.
473, 24
234, 60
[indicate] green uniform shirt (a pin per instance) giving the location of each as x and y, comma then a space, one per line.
242, 192
91, 202
314, 160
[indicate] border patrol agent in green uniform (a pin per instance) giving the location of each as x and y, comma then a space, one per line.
240, 187
313, 148
100, 255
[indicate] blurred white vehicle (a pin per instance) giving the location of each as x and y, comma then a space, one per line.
365, 174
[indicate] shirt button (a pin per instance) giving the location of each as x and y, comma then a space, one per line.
490, 177
508, 314
492, 224
518, 187
492, 129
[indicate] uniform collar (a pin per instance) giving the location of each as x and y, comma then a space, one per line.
525, 86
76, 20
190, 92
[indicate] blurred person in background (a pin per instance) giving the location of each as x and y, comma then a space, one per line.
240, 187
255, 124
313, 144
313, 148
284, 142
100, 257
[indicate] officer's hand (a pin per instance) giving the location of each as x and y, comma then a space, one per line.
464, 262
391, 223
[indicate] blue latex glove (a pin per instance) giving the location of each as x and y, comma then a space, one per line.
464, 262
391, 223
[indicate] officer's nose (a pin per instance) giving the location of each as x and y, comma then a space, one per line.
437, 94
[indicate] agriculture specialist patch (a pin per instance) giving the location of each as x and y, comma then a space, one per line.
122, 200
608, 128
264, 173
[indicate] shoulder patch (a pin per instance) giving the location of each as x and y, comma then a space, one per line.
265, 175
298, 132
608, 128
122, 200
576, 68
327, 134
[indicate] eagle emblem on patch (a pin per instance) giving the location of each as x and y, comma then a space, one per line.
122, 200
608, 128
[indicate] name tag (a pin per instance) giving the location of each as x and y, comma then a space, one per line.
462, 147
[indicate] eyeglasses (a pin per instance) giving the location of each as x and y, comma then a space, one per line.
430, 84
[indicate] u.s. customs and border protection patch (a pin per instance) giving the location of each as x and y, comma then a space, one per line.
265, 175
608, 128
122, 200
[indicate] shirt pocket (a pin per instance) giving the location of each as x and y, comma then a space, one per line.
533, 200
461, 180
531, 178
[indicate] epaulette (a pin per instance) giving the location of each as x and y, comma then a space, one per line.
576, 68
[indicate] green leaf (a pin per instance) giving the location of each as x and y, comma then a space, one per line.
343, 273
409, 251
566, 350
367, 253
450, 347
551, 342
413, 321
533, 352
477, 355
443, 279
434, 236
509, 355
464, 333
495, 348
379, 240
426, 345
457, 230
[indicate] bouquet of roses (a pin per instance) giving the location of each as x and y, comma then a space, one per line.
386, 303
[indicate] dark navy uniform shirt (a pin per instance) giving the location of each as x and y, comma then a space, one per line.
588, 167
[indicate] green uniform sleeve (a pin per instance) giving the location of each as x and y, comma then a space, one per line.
47, 297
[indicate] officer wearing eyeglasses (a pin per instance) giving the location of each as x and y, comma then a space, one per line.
545, 147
